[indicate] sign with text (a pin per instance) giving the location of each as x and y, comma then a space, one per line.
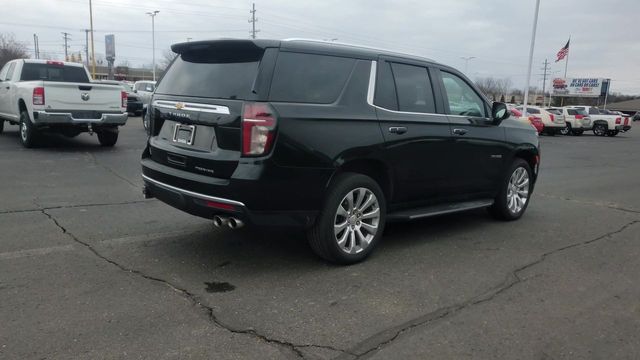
585, 87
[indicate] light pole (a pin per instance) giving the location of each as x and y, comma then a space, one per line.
531, 47
153, 39
466, 62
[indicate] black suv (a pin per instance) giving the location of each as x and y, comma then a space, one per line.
332, 138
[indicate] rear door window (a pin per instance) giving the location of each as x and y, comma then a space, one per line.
309, 78
212, 72
385, 95
413, 88
52, 72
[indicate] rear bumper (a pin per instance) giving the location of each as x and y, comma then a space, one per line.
626, 128
291, 200
44, 117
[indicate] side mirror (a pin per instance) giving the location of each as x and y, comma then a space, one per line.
499, 112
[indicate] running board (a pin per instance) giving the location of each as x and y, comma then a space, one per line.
436, 210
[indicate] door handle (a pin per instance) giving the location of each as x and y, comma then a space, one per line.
459, 131
398, 130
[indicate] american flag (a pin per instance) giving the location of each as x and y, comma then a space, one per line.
563, 52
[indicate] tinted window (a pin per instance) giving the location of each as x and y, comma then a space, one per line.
555, 111
413, 88
309, 78
530, 110
211, 72
385, 95
594, 111
462, 99
572, 111
51, 72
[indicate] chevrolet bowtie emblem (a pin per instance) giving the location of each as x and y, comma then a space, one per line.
179, 106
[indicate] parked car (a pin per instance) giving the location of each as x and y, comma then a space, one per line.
327, 137
604, 122
558, 116
577, 120
55, 96
534, 120
552, 124
134, 103
626, 121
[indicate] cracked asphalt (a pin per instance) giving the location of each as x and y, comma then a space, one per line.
88, 269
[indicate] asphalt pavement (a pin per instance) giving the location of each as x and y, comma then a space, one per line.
89, 269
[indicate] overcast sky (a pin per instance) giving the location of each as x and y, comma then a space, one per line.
604, 34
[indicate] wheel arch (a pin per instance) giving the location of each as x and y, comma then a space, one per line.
372, 168
530, 154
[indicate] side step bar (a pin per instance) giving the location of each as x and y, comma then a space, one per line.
442, 209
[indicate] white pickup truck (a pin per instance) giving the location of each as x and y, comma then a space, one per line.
55, 96
605, 122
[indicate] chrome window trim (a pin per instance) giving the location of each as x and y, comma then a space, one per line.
371, 93
191, 193
205, 108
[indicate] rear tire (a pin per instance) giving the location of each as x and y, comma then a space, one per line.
351, 222
28, 132
577, 132
515, 192
566, 130
1, 126
108, 138
613, 133
600, 129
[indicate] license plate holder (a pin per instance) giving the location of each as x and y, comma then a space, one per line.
183, 134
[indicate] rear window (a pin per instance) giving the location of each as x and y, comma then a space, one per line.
530, 110
214, 73
555, 111
309, 78
50, 72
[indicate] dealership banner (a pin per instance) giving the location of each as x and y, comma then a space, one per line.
587, 87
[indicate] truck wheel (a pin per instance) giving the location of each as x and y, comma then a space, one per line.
28, 132
1, 126
613, 132
566, 130
351, 222
515, 191
577, 132
108, 137
600, 129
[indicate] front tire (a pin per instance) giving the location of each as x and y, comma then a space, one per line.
351, 222
613, 133
515, 192
577, 132
28, 132
566, 130
108, 138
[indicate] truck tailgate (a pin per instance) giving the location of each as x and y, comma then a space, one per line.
82, 96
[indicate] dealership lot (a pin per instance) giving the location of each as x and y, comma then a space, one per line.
88, 269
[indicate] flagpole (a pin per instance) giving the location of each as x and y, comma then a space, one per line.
566, 65
531, 47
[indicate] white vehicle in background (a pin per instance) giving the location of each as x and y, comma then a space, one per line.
577, 120
552, 124
144, 89
55, 96
558, 116
604, 122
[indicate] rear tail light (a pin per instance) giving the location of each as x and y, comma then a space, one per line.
56, 63
123, 97
579, 117
551, 116
38, 95
626, 121
618, 121
258, 129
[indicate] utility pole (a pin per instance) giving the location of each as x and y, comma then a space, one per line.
532, 45
545, 69
36, 46
253, 21
153, 39
86, 46
65, 36
93, 52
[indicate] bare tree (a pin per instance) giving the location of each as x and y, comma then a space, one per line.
11, 49
167, 58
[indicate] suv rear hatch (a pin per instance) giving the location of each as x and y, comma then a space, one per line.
196, 111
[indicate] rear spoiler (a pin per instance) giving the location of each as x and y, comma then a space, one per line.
224, 44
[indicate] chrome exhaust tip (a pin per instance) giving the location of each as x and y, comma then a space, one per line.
235, 223
220, 221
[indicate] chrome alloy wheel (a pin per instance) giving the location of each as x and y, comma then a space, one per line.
23, 131
356, 221
518, 190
